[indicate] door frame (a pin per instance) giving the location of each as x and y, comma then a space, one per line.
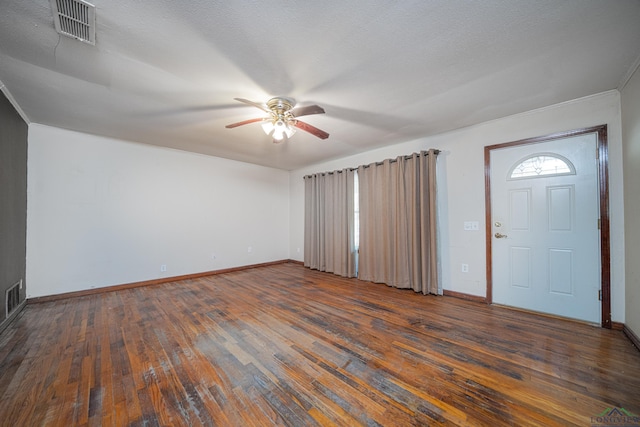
603, 197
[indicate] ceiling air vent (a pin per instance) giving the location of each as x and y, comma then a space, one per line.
76, 19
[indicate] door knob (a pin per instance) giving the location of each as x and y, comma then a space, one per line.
500, 236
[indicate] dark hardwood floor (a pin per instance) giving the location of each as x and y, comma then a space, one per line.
284, 345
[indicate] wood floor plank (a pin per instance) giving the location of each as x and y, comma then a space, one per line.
285, 345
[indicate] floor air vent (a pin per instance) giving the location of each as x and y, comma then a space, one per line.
76, 19
13, 298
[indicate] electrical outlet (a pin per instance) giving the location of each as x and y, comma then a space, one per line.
249, 249
465, 268
298, 250
213, 256
163, 268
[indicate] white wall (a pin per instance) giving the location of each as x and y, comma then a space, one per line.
631, 137
106, 212
461, 185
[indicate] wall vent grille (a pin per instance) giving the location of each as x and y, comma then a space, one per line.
75, 19
12, 298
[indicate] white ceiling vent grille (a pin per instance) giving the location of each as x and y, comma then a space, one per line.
76, 19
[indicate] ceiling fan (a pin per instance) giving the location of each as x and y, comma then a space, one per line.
282, 121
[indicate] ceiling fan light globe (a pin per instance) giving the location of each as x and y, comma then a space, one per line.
278, 133
289, 130
268, 127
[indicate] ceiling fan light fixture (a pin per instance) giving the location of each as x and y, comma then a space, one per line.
277, 129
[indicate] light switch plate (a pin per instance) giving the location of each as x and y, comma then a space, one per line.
471, 226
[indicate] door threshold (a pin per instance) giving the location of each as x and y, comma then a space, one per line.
548, 315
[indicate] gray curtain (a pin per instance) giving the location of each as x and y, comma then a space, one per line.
328, 227
398, 222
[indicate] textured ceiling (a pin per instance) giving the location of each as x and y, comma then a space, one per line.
165, 72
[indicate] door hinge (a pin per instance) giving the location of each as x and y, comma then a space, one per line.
599, 294
598, 223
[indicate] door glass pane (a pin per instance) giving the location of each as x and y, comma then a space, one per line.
543, 164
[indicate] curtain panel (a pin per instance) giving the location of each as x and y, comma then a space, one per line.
329, 223
398, 222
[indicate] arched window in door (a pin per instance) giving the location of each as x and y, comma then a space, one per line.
541, 165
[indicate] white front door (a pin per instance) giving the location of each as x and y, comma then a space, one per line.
545, 237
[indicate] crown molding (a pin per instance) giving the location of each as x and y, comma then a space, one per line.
630, 72
4, 89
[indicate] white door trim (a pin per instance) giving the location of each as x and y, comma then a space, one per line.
603, 193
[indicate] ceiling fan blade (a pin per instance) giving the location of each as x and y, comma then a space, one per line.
311, 129
305, 111
245, 122
253, 104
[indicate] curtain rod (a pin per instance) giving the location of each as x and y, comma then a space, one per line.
436, 152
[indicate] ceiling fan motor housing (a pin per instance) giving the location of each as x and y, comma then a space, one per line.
281, 104
280, 111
